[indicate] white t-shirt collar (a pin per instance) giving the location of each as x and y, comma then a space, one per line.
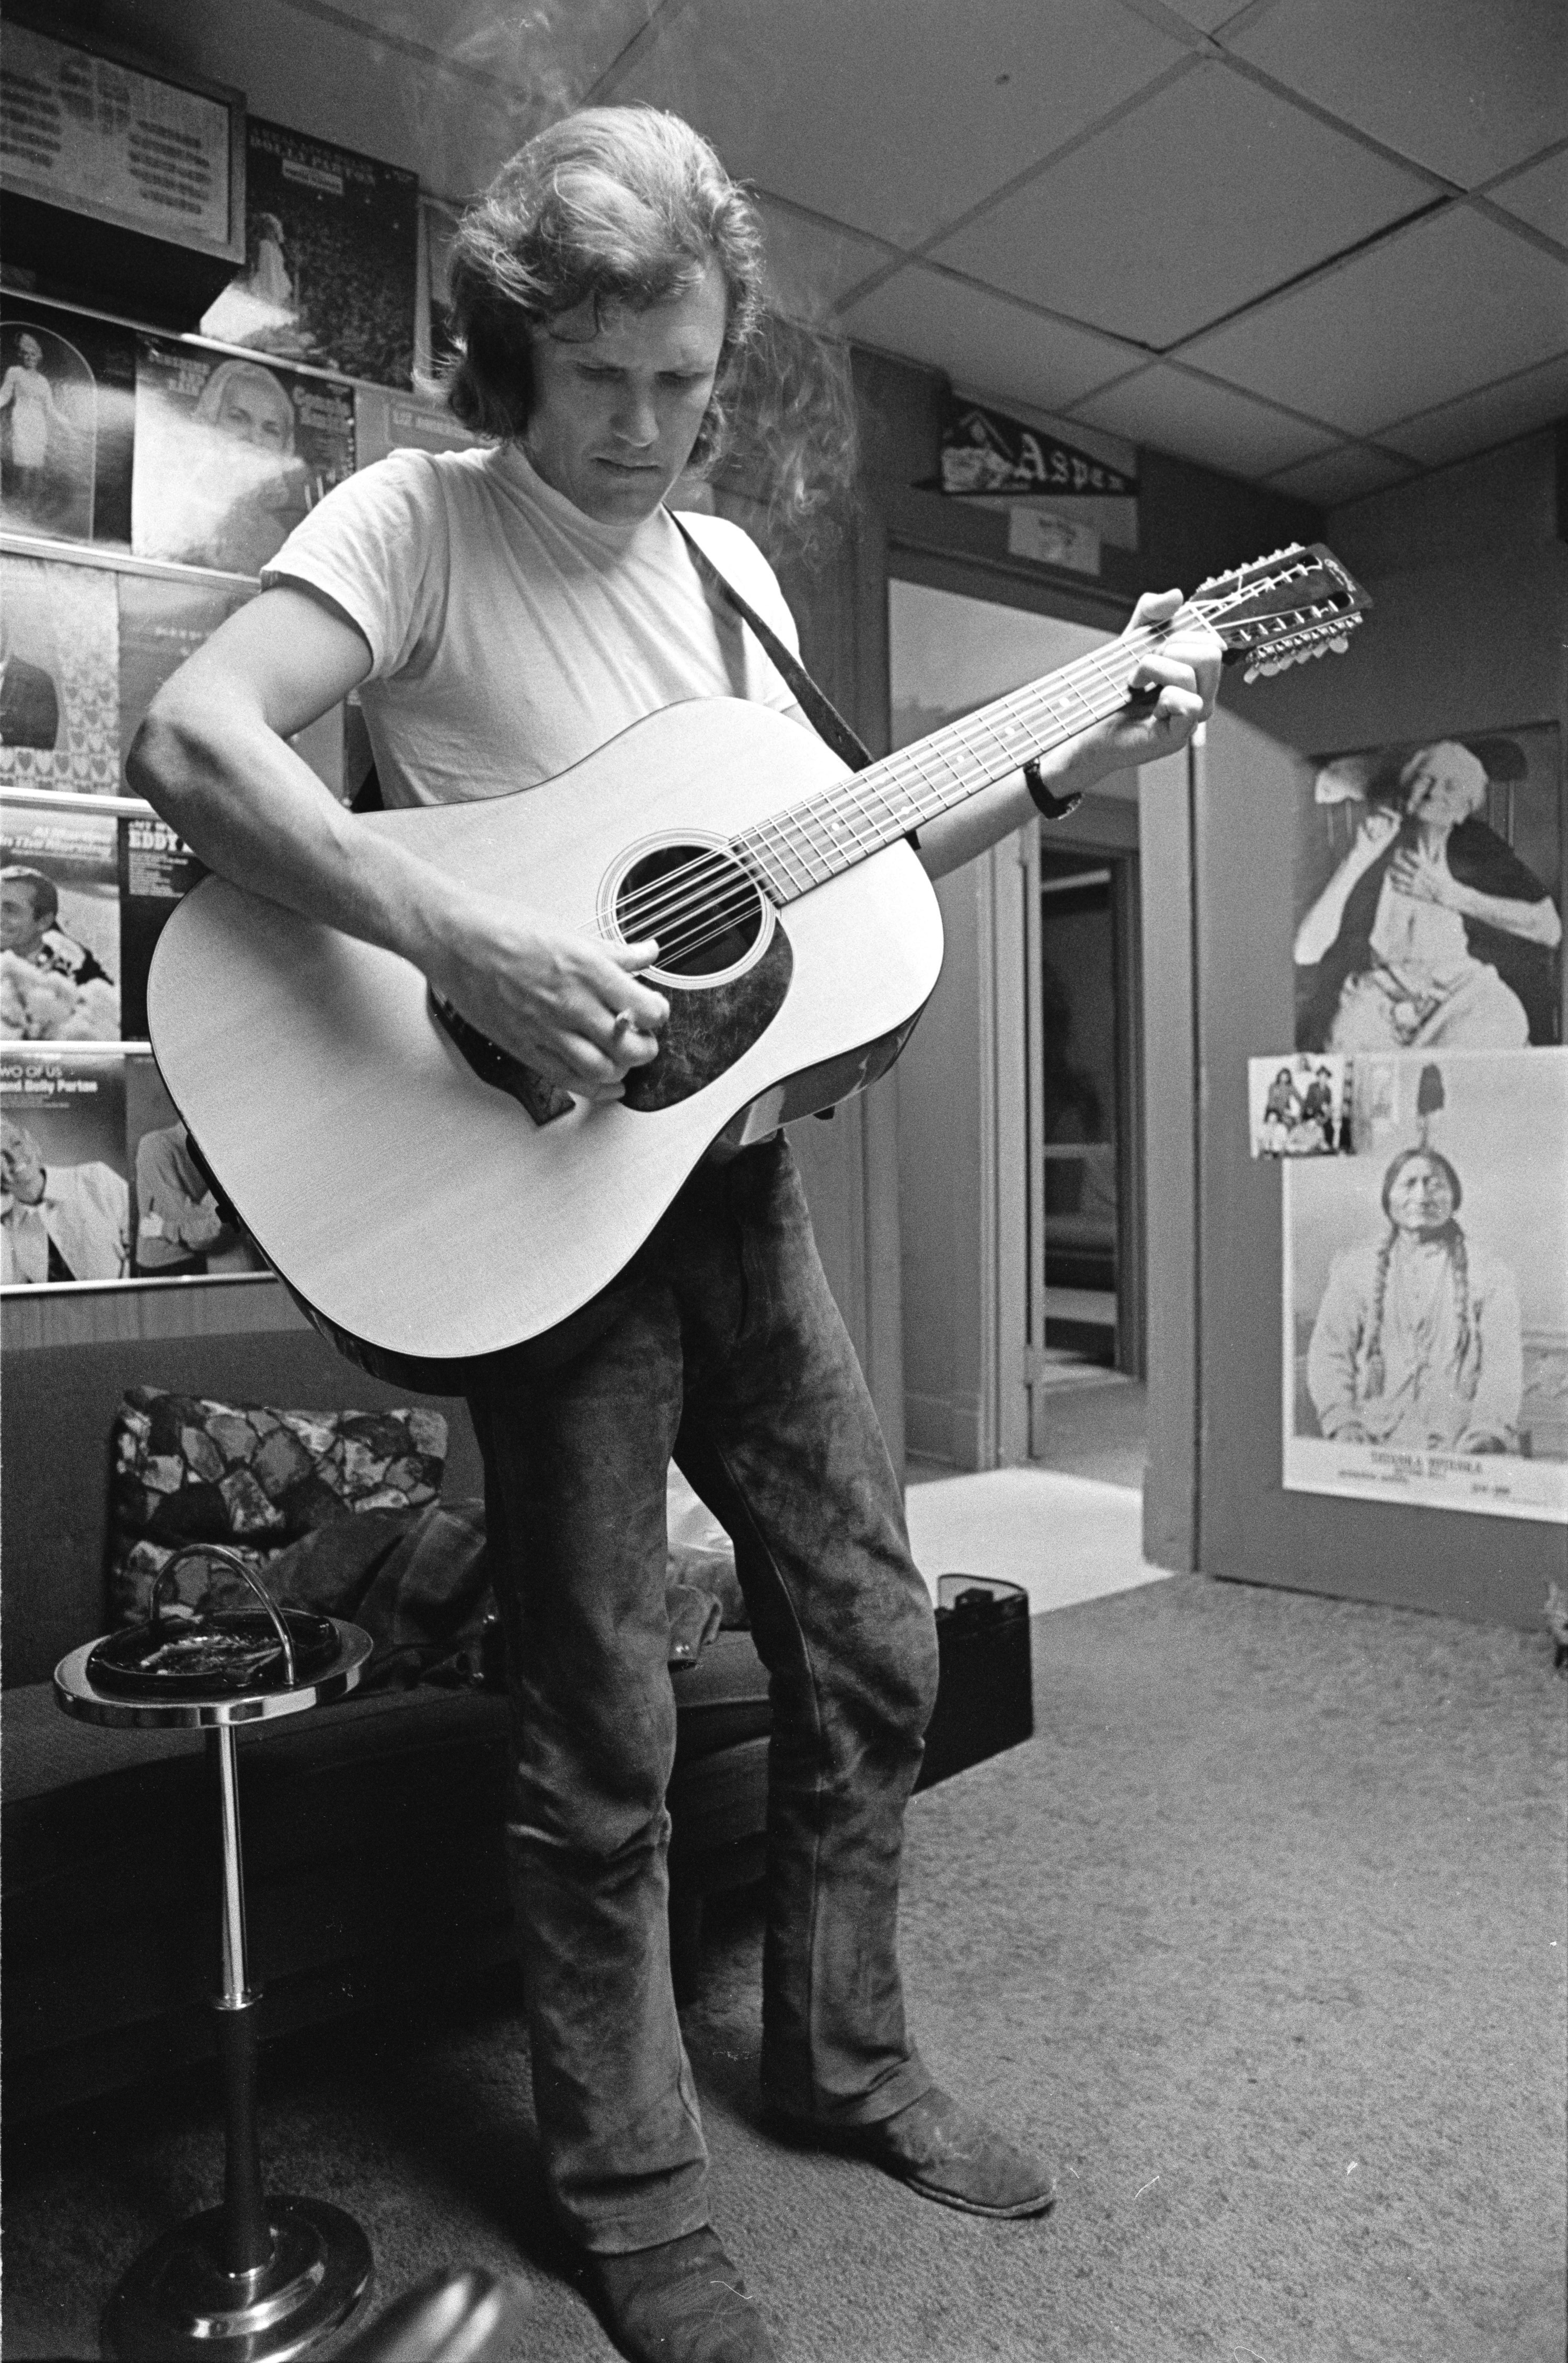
513, 465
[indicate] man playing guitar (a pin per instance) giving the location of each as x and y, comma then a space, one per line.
504, 611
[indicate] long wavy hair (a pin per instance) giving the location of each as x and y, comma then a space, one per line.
628, 205
1467, 1350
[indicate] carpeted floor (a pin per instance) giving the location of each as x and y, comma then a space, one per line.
1263, 1936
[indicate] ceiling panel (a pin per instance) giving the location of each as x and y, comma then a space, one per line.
811, 263
1467, 87
895, 115
1539, 195
1533, 399
1198, 420
1207, 15
1434, 312
552, 53
1343, 475
1202, 198
983, 339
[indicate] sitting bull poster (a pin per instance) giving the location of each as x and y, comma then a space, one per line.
1426, 1290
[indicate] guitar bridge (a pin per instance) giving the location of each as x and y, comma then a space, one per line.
544, 1101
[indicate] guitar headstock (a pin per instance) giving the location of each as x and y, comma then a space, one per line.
1281, 610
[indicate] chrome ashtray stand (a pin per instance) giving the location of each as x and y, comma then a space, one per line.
258, 2279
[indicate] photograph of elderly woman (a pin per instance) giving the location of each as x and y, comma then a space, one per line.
1426, 1290
1428, 896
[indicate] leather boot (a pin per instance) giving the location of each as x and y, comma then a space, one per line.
683, 2301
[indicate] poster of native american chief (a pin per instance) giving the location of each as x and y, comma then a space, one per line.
1426, 1290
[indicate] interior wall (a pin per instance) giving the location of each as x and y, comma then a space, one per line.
1467, 634
1193, 523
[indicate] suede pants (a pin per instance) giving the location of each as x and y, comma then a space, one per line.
721, 1346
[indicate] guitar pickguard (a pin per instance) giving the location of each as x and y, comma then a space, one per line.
710, 1028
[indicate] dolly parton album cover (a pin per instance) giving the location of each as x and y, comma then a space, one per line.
65, 1197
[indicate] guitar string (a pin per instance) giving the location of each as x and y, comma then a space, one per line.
822, 812
636, 912
739, 887
835, 813
720, 915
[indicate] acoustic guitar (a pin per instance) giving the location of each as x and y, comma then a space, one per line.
428, 1200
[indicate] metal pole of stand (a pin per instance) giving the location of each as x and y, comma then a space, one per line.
246, 2241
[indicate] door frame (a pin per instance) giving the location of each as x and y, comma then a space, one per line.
1011, 1174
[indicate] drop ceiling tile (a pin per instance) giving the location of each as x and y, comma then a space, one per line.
1496, 414
551, 55
1444, 308
1198, 201
892, 115
1465, 87
1539, 195
983, 339
1193, 419
811, 263
1342, 475
1207, 15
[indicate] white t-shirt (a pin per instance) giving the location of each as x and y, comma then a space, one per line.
509, 634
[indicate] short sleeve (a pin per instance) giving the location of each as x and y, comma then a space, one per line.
376, 547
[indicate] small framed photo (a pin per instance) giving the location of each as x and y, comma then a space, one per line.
1298, 1104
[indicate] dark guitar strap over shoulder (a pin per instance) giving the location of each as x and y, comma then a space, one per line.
815, 703
818, 708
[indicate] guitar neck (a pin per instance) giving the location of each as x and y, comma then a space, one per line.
808, 843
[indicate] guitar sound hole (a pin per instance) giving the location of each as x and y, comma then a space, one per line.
704, 911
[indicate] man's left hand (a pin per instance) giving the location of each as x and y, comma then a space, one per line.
1173, 691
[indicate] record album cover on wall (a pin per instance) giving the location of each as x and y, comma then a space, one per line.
231, 454
163, 620
64, 1195
177, 1232
58, 677
60, 924
1426, 1290
331, 259
156, 868
67, 423
1429, 885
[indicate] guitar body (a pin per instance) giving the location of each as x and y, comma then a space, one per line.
422, 1214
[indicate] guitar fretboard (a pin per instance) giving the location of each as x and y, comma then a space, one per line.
808, 843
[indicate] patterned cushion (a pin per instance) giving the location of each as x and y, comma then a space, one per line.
252, 1478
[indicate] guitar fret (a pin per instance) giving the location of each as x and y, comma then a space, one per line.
859, 815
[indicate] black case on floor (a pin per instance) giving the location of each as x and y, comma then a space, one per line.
986, 1695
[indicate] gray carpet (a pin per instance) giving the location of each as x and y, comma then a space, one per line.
1263, 1935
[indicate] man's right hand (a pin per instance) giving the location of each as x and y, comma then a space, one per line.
569, 1005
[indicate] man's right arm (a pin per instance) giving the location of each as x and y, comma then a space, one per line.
212, 758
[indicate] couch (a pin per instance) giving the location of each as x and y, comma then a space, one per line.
372, 1829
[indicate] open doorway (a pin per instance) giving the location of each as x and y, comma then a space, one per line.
1020, 1144
1086, 1193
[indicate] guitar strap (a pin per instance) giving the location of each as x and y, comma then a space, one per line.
818, 708
815, 703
